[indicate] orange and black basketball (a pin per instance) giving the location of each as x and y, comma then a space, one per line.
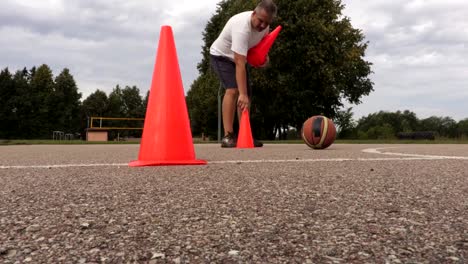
318, 132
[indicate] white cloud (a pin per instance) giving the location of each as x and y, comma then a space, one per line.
103, 43
419, 55
418, 47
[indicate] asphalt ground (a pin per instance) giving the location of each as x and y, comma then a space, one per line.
276, 204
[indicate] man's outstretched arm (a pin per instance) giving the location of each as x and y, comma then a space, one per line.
241, 78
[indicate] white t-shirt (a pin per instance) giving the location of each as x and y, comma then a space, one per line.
237, 36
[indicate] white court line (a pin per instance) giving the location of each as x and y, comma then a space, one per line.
432, 157
375, 151
53, 166
318, 160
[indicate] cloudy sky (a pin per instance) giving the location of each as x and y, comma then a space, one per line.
417, 47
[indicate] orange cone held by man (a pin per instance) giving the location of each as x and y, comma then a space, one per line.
256, 56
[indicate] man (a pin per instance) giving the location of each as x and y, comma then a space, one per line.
229, 57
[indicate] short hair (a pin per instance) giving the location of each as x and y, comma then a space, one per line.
268, 6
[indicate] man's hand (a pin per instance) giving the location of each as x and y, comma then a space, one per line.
243, 101
241, 78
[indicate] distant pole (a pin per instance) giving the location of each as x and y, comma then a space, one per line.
219, 112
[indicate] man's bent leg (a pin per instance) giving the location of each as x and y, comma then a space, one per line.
229, 109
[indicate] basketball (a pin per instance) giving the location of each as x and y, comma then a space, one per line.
318, 132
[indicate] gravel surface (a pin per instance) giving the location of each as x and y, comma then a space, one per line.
382, 211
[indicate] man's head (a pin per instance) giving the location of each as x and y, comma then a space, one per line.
263, 14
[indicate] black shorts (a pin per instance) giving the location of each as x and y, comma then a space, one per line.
225, 69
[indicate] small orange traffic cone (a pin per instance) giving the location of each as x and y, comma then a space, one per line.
256, 56
167, 137
245, 139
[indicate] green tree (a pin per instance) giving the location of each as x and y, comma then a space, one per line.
145, 102
384, 131
405, 121
116, 106
444, 126
317, 61
202, 106
22, 105
132, 102
345, 124
65, 103
449, 127
95, 105
41, 88
316, 64
133, 108
462, 128
7, 107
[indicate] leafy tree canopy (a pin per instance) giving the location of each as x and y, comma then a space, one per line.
317, 63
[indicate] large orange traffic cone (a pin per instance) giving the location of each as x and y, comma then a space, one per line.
167, 137
256, 56
245, 139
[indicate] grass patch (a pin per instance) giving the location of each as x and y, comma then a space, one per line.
375, 141
404, 141
199, 141
61, 142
